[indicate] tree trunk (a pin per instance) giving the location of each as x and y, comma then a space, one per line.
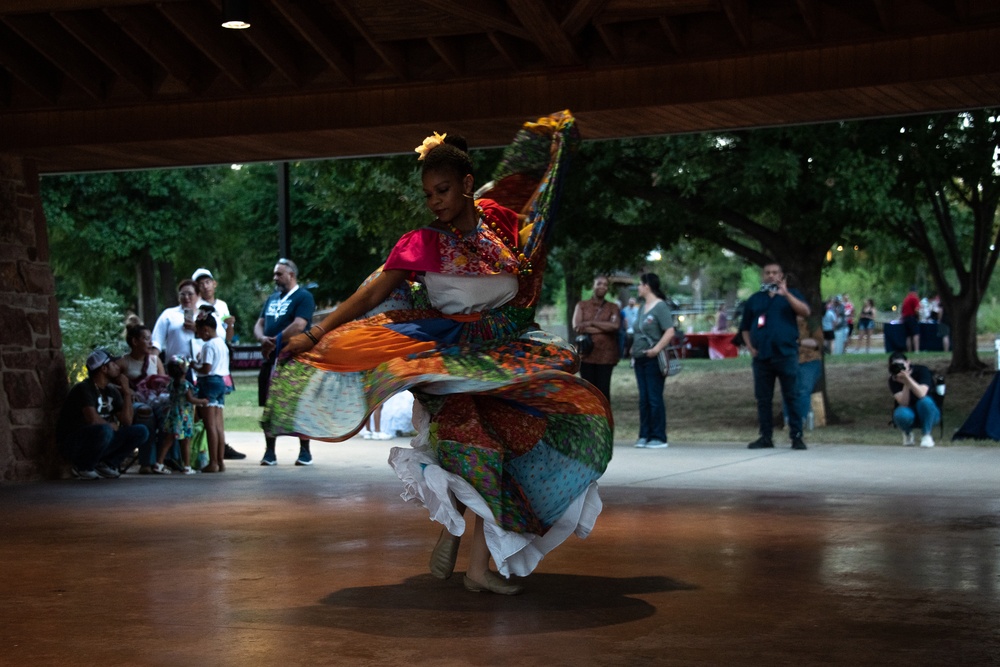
964, 346
168, 285
146, 281
573, 292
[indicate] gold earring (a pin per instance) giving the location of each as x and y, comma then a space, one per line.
467, 195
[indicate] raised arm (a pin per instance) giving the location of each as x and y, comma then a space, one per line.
364, 299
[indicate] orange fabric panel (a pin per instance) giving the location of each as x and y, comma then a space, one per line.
362, 349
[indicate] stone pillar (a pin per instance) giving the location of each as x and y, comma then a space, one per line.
32, 368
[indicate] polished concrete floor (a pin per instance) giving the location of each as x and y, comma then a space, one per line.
704, 555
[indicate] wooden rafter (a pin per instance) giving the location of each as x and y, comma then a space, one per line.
390, 53
581, 14
738, 14
120, 55
809, 9
219, 46
672, 31
478, 12
450, 54
316, 38
175, 57
36, 76
545, 32
48, 38
884, 10
611, 38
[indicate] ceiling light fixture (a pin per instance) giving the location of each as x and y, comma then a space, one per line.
236, 14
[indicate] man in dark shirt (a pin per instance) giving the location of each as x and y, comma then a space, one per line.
911, 386
95, 431
288, 311
770, 332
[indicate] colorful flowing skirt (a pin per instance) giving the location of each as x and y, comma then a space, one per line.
504, 427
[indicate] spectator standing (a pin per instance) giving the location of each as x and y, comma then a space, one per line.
910, 312
287, 312
178, 423
212, 367
654, 329
771, 333
721, 320
910, 385
207, 285
943, 319
629, 313
95, 431
840, 328
600, 319
811, 349
174, 328
866, 323
849, 319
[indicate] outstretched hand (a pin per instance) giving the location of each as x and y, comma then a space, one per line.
297, 345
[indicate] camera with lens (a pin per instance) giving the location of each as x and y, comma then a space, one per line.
897, 367
769, 287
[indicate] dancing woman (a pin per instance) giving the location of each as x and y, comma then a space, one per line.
504, 427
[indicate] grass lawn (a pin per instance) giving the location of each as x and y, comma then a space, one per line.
712, 401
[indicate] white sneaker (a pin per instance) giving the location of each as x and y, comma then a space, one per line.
927, 440
106, 471
656, 444
641, 442
382, 435
366, 434
908, 439
84, 474
161, 469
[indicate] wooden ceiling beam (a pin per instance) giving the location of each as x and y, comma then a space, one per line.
449, 54
506, 47
119, 54
545, 32
885, 13
316, 38
47, 84
581, 14
810, 12
48, 38
738, 14
390, 53
219, 45
175, 57
480, 13
671, 30
612, 40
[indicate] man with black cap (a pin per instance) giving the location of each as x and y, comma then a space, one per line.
95, 431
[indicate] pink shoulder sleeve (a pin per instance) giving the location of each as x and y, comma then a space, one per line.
416, 251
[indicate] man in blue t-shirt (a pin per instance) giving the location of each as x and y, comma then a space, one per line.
771, 333
288, 311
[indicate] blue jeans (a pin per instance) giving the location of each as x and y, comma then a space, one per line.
786, 371
93, 444
652, 411
926, 416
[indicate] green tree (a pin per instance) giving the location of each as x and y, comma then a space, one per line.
949, 187
110, 230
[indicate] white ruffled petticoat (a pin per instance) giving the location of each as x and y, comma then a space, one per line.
518, 554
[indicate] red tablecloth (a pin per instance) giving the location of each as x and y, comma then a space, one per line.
720, 345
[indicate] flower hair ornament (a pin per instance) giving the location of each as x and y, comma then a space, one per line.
430, 143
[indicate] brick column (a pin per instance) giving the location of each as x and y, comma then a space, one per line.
32, 368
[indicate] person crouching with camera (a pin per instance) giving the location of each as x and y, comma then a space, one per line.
911, 386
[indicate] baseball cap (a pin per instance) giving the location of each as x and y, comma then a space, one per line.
98, 358
201, 273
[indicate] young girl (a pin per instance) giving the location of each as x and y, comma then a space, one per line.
179, 422
212, 367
